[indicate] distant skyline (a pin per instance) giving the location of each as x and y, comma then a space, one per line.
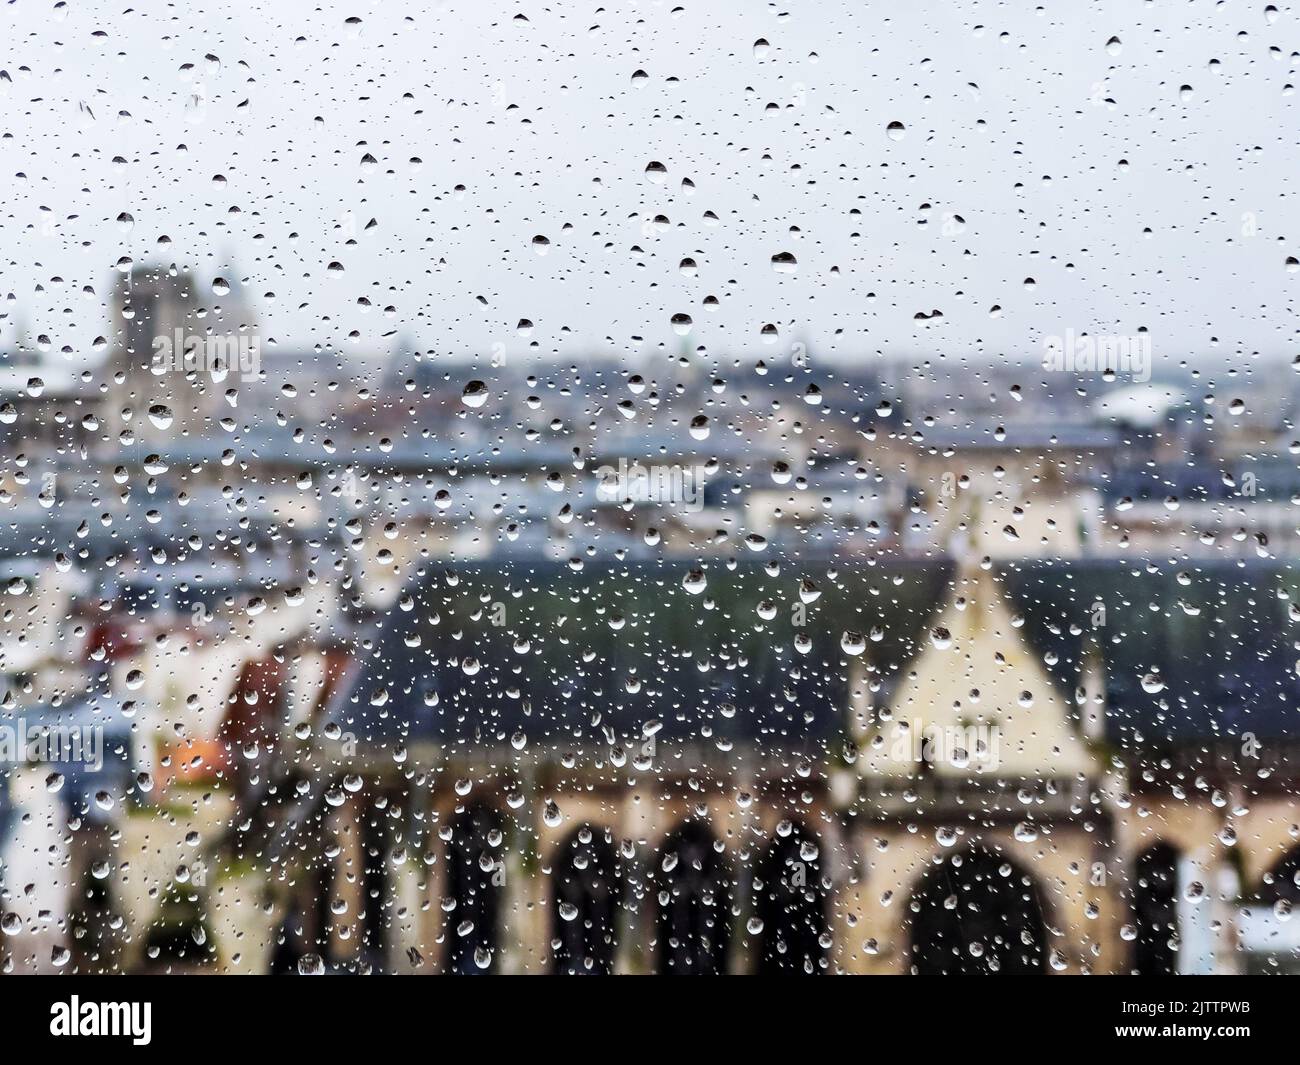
1009, 167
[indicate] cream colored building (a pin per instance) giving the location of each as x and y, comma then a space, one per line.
971, 811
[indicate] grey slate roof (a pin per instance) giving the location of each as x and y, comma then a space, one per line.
1214, 638
563, 667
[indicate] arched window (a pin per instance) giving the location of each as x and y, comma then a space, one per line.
1266, 942
976, 912
474, 878
179, 940
305, 932
586, 895
790, 900
376, 886
1282, 882
91, 913
1155, 911
693, 887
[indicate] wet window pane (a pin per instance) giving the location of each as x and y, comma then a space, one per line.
648, 488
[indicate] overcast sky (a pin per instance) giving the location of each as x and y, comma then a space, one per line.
243, 128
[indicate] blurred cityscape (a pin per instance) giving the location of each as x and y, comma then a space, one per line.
421, 662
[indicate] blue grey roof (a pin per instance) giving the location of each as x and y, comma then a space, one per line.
620, 646
1019, 435
1213, 640
1202, 656
1243, 480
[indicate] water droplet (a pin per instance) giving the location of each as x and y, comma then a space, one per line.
1153, 683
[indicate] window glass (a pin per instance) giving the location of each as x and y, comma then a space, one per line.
648, 488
